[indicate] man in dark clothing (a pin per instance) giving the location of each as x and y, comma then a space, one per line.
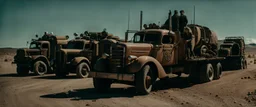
188, 39
183, 21
175, 21
166, 24
104, 34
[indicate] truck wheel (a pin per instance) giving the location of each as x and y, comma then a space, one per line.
82, 70
22, 71
241, 66
144, 80
206, 73
101, 84
40, 68
217, 71
245, 64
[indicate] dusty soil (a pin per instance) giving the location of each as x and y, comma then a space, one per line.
234, 89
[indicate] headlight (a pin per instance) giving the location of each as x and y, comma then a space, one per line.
104, 56
132, 57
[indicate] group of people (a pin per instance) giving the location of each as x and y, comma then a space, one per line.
93, 36
178, 21
151, 26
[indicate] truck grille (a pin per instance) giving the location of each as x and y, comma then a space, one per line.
117, 61
60, 61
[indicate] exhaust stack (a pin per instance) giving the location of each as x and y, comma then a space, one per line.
141, 15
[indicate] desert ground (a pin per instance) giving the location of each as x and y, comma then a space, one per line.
234, 89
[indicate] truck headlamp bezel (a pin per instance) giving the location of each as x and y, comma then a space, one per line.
132, 57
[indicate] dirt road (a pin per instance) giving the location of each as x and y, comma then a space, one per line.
47, 91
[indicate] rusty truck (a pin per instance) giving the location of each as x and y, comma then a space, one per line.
154, 53
80, 54
39, 58
233, 49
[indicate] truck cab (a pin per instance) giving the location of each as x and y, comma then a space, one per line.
232, 49
76, 58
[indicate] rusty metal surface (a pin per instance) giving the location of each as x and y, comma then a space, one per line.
116, 76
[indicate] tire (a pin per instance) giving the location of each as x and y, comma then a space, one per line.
206, 73
40, 68
22, 71
82, 70
217, 71
101, 84
245, 64
144, 80
241, 65
203, 49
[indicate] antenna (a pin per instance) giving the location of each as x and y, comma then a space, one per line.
170, 20
128, 19
141, 20
194, 14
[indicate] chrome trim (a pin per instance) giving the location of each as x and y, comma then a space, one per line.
116, 76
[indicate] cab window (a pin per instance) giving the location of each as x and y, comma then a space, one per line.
45, 46
138, 38
75, 45
167, 39
87, 46
34, 46
150, 37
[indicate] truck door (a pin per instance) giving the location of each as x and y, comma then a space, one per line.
45, 50
168, 50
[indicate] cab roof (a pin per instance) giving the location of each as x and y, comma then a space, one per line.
163, 31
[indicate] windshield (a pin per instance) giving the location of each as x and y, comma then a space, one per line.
147, 38
75, 45
225, 46
35, 45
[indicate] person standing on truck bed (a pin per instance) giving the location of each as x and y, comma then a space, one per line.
104, 33
183, 21
166, 23
188, 37
175, 21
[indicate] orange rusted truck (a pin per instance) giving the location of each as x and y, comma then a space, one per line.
39, 58
232, 49
155, 53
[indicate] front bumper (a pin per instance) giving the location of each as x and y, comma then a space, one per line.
116, 76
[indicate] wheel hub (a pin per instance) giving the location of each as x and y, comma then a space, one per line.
41, 68
84, 70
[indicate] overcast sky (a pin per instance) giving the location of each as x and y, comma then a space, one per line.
20, 20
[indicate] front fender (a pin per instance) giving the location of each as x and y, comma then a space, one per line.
77, 60
137, 65
41, 58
